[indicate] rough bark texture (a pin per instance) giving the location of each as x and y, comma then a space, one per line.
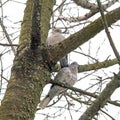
83, 35
30, 72
102, 98
24, 88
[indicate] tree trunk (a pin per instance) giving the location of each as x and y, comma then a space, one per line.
28, 77
30, 72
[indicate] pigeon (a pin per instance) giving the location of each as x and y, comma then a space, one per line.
55, 38
67, 75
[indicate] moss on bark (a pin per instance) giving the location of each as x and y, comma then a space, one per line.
28, 78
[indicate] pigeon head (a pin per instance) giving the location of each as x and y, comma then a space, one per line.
74, 67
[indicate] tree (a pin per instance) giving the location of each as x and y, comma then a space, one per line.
34, 61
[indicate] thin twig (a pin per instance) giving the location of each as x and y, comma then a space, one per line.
7, 36
81, 91
8, 45
102, 98
107, 31
108, 115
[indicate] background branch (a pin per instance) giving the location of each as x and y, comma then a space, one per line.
7, 36
105, 24
102, 98
97, 65
88, 5
83, 92
80, 37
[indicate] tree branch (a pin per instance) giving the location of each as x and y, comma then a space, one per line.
80, 91
92, 6
94, 66
2, 44
86, 4
107, 32
7, 36
46, 11
102, 98
80, 37
97, 65
92, 12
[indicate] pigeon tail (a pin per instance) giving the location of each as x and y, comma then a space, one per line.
44, 102
64, 62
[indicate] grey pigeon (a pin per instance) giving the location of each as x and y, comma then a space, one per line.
67, 75
55, 38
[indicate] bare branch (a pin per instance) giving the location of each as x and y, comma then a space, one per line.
108, 115
86, 4
78, 19
82, 36
93, 10
2, 44
81, 92
102, 98
107, 31
7, 36
97, 65
92, 6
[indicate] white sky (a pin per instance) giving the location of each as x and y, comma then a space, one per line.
14, 12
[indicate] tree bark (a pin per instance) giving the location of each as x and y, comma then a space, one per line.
28, 77
102, 98
84, 35
30, 71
